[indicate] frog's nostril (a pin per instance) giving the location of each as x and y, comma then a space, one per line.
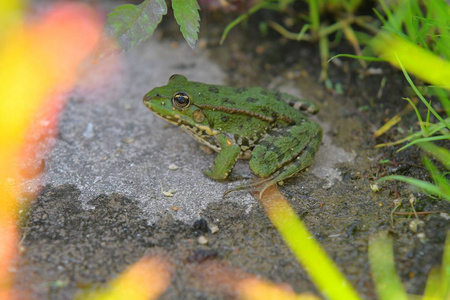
147, 97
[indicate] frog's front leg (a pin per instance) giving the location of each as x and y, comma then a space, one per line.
225, 160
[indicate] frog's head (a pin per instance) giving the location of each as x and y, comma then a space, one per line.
174, 102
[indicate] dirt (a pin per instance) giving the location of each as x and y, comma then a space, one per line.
66, 249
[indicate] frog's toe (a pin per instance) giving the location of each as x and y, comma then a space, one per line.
236, 177
259, 185
215, 176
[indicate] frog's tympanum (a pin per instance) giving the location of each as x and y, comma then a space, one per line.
266, 127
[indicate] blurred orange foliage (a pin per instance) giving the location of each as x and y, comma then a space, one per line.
146, 279
36, 58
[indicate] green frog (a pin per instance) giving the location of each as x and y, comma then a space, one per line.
267, 127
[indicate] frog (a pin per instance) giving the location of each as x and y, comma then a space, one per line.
267, 127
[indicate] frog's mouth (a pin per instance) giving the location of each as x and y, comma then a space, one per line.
173, 119
160, 109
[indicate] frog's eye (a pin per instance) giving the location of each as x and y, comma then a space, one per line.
181, 100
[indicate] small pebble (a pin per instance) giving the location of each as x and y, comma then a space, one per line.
202, 240
445, 215
89, 132
214, 228
169, 193
422, 237
375, 187
173, 167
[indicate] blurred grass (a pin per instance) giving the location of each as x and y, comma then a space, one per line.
381, 257
146, 279
37, 61
387, 282
323, 272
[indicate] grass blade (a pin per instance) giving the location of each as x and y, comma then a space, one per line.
414, 59
411, 83
367, 58
442, 154
423, 185
419, 117
423, 140
241, 18
381, 259
324, 273
438, 178
438, 283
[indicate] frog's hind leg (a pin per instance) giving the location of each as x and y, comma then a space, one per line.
283, 155
286, 150
301, 162
300, 104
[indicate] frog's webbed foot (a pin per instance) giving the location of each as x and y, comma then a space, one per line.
258, 185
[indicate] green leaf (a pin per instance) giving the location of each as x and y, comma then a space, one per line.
132, 24
187, 16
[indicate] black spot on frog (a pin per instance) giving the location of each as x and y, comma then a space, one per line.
213, 89
228, 101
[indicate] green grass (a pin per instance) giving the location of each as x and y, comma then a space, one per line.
441, 185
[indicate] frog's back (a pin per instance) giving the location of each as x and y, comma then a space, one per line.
269, 103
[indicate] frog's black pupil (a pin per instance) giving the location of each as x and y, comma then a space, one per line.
181, 99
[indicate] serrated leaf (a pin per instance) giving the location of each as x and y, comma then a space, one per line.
187, 16
132, 24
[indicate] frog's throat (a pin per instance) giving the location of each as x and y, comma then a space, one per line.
232, 110
195, 130
201, 137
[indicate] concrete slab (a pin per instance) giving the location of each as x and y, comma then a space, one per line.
109, 142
